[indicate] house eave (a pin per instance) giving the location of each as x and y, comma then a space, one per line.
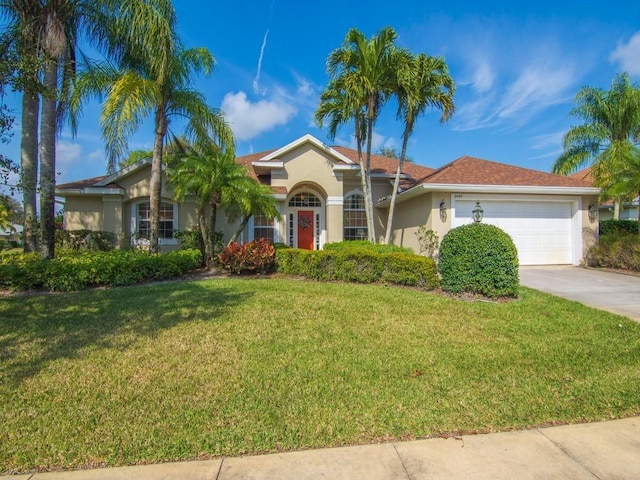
124, 172
89, 191
308, 138
261, 164
506, 189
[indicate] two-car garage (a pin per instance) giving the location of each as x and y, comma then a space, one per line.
544, 232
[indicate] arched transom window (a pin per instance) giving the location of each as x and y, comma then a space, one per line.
355, 218
304, 199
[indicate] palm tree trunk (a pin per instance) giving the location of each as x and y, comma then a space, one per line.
155, 182
616, 209
202, 222
29, 167
48, 161
236, 234
211, 238
368, 197
394, 194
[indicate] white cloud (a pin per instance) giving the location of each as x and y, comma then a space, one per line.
628, 55
549, 140
536, 88
256, 80
97, 155
67, 154
483, 77
250, 119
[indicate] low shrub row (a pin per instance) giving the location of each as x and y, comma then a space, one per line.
359, 265
72, 270
618, 226
616, 250
89, 240
350, 245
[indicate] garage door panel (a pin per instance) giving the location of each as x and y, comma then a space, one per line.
541, 231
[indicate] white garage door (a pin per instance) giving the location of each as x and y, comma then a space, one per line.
541, 231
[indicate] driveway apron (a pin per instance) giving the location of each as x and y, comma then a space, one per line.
613, 292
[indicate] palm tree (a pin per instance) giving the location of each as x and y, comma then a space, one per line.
146, 88
255, 199
609, 137
46, 34
423, 82
21, 37
339, 106
363, 76
216, 180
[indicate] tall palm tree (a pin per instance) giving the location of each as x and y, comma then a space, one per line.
608, 139
364, 70
216, 180
146, 88
423, 82
21, 35
46, 33
339, 106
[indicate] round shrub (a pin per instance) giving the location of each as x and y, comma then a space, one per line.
479, 258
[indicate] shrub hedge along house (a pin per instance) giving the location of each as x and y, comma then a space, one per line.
320, 200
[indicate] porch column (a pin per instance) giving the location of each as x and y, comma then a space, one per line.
335, 219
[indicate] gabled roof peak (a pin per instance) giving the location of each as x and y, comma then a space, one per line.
308, 138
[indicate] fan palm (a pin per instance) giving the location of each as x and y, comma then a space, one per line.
608, 139
423, 82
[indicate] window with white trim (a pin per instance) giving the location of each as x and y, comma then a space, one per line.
142, 220
305, 200
354, 218
263, 227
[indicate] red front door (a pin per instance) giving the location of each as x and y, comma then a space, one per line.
305, 230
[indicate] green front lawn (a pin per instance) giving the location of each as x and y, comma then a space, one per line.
225, 367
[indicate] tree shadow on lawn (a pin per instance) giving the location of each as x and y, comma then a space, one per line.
37, 330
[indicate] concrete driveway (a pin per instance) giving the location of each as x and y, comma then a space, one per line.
613, 292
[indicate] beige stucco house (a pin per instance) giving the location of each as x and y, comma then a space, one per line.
320, 200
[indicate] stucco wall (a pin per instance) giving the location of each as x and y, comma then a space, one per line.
307, 164
83, 213
408, 217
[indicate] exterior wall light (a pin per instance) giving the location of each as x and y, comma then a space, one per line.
593, 213
478, 213
443, 211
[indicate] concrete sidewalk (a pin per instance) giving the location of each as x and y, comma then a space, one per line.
606, 450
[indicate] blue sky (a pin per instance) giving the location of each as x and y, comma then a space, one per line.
517, 68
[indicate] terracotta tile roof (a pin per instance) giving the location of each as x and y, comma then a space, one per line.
86, 183
475, 171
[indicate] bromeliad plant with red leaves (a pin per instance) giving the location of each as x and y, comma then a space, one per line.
258, 256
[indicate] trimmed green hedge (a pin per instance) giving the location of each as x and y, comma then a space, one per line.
479, 258
608, 227
80, 270
359, 245
359, 265
616, 250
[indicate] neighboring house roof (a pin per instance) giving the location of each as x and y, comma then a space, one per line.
584, 174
